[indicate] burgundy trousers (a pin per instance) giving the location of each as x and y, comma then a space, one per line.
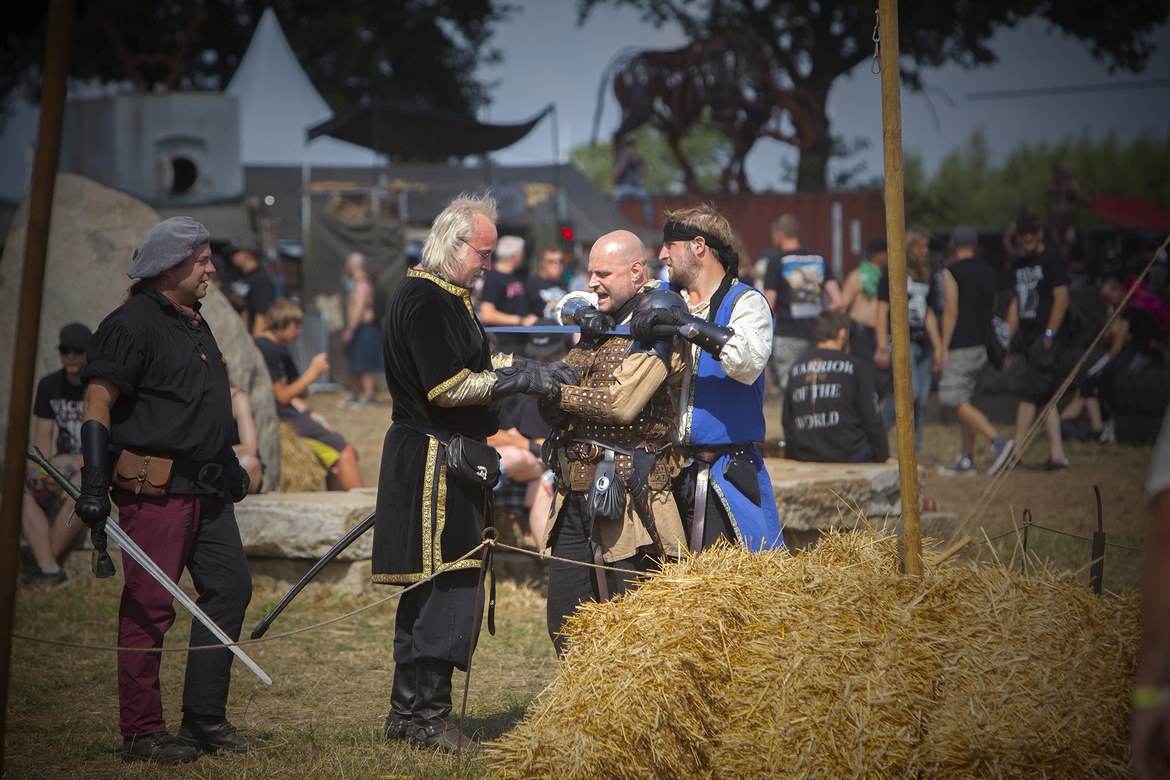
198, 533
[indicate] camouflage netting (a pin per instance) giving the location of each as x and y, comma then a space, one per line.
831, 664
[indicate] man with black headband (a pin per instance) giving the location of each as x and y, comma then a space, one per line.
724, 490
157, 390
614, 437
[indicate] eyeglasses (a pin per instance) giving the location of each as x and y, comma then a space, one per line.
484, 254
70, 351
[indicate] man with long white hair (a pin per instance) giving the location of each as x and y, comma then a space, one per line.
443, 381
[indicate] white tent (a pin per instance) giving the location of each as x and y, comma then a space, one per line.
278, 102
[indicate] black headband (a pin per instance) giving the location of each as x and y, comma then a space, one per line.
676, 231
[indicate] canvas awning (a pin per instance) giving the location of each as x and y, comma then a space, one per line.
1131, 212
420, 133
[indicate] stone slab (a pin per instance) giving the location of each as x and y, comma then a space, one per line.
820, 496
305, 525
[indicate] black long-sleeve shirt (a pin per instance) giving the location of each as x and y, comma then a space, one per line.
830, 410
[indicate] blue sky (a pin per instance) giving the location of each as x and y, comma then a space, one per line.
548, 58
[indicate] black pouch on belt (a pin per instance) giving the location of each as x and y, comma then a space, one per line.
741, 473
607, 493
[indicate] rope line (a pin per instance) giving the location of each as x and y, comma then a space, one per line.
998, 480
247, 642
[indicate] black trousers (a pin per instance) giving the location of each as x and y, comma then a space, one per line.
716, 523
435, 620
570, 585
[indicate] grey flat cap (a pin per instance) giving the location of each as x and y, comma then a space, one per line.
167, 244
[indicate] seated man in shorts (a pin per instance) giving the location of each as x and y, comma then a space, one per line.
290, 386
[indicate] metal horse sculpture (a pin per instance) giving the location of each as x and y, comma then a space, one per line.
726, 79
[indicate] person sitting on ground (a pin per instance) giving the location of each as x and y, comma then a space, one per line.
59, 401
830, 412
290, 387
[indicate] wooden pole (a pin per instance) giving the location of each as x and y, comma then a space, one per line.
899, 314
32, 283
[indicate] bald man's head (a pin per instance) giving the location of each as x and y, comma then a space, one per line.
616, 270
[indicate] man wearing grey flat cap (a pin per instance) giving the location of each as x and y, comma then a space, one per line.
157, 394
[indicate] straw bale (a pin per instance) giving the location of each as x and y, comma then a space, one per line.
831, 664
300, 471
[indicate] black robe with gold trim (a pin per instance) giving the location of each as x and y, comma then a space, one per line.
431, 342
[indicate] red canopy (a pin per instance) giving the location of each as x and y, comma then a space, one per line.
1127, 212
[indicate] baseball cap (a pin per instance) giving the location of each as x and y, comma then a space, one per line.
964, 235
544, 344
1027, 224
74, 336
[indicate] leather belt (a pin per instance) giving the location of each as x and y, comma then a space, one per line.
699, 517
206, 473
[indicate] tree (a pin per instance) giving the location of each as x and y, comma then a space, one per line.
970, 188
815, 43
704, 147
420, 52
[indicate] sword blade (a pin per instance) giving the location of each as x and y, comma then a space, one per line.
152, 568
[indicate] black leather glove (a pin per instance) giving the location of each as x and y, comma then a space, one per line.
551, 412
643, 322
513, 380
593, 322
649, 324
238, 481
93, 505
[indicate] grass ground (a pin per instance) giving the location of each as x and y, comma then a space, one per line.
323, 713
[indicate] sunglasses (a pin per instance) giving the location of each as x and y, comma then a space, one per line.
70, 351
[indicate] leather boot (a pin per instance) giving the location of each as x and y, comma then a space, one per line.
431, 722
401, 702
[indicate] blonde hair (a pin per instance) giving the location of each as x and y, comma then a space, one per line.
283, 313
453, 226
917, 267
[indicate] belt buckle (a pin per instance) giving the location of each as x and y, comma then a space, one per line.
209, 473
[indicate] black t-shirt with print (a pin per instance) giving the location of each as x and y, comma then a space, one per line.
1036, 277
60, 400
919, 294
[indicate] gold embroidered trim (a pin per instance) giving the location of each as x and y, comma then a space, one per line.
454, 289
502, 359
428, 504
440, 519
448, 384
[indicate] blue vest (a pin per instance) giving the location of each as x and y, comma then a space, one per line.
724, 411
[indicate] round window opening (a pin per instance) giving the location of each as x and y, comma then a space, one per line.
183, 175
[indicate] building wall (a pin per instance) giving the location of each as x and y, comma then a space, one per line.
861, 218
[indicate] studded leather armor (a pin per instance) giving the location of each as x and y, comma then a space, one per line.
591, 403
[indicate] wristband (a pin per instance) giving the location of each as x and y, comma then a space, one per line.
1048, 334
1146, 697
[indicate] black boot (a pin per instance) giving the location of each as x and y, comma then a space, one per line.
401, 702
431, 721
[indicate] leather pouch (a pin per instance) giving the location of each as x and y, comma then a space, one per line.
741, 473
607, 493
146, 475
472, 462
